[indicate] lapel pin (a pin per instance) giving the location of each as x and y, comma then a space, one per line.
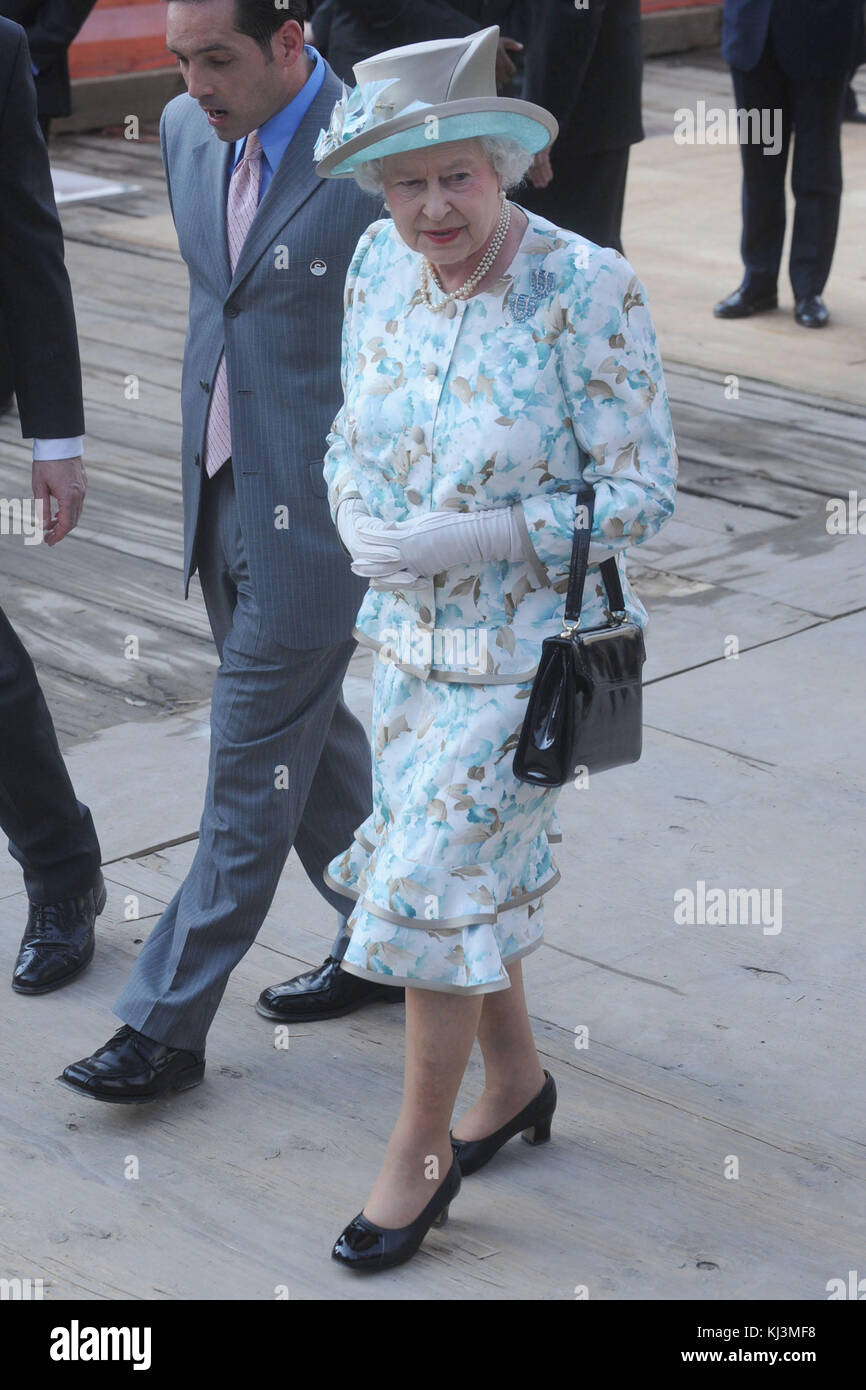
318, 267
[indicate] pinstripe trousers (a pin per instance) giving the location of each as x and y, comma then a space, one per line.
289, 766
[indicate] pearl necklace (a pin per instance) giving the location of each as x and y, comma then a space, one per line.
478, 275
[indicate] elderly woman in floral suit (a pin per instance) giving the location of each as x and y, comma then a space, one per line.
483, 349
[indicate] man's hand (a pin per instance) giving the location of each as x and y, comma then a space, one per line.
505, 69
540, 171
64, 480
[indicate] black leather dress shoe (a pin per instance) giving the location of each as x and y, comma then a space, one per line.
131, 1069
368, 1248
533, 1120
326, 992
58, 942
743, 303
811, 311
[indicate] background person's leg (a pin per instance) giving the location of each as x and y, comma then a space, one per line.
595, 196
765, 88
816, 180
51, 834
587, 193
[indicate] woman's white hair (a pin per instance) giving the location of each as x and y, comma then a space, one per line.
507, 158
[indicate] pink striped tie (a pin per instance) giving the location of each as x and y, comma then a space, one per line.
243, 201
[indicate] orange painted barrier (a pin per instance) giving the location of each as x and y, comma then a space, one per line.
129, 36
121, 36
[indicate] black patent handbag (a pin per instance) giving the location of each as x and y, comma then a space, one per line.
585, 710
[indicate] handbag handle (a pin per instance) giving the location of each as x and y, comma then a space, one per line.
577, 569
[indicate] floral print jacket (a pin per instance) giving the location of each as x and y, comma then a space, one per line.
488, 404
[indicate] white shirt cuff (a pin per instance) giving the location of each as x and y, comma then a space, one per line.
46, 450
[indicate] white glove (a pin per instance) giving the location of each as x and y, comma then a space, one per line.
373, 556
443, 540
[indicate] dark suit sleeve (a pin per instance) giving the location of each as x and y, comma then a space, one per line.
429, 19
35, 296
54, 27
559, 48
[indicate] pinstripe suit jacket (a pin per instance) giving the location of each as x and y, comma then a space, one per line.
280, 323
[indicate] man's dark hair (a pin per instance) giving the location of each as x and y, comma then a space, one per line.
261, 19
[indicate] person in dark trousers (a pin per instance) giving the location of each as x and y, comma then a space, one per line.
51, 834
50, 26
356, 29
791, 58
586, 67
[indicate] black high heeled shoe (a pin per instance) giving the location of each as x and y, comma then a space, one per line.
534, 1120
367, 1247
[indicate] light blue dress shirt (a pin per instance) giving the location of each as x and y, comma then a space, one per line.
277, 132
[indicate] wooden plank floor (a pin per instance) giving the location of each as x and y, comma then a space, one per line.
704, 1044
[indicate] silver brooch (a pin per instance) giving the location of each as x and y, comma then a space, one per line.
523, 306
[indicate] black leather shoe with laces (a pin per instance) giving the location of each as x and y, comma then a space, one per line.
58, 941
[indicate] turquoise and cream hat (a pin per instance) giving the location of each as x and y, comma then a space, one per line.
411, 97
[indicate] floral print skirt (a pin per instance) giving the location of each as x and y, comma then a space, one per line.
449, 869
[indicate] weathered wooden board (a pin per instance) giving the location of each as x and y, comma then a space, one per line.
790, 457
765, 401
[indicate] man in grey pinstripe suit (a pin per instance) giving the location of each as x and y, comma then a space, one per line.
289, 764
